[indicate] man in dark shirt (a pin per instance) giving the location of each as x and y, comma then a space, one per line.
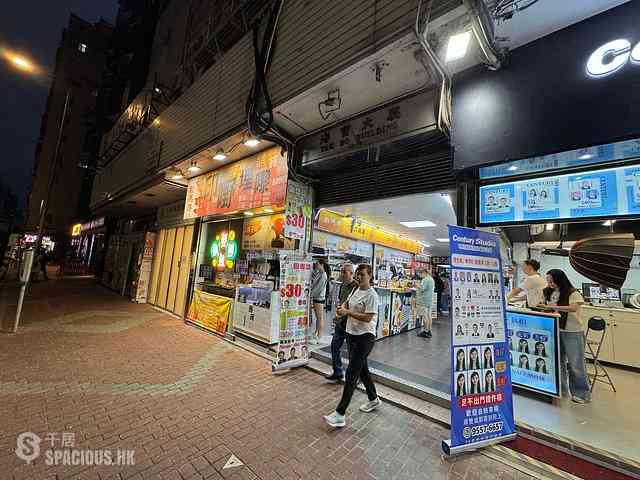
340, 331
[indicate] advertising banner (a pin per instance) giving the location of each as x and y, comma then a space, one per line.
601, 193
295, 283
352, 227
535, 348
257, 181
481, 394
144, 274
297, 210
264, 233
210, 311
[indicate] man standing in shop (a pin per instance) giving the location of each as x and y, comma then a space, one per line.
340, 324
532, 286
423, 301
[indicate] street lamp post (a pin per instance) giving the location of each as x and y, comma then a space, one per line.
52, 172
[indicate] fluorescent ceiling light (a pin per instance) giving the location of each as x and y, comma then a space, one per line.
512, 168
549, 226
248, 214
220, 155
194, 168
418, 224
457, 46
177, 175
585, 156
252, 142
442, 240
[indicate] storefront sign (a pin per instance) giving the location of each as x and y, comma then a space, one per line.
224, 250
76, 230
358, 229
264, 233
257, 181
172, 215
144, 274
409, 115
606, 193
210, 311
611, 57
295, 283
298, 210
534, 346
335, 243
481, 394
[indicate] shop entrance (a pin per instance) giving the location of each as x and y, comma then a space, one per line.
398, 237
168, 286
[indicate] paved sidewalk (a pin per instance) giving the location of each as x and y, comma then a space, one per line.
111, 374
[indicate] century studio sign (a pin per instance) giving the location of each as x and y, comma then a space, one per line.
612, 56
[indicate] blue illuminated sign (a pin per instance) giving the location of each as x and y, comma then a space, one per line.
607, 193
533, 344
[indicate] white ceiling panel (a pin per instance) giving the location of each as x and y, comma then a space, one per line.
388, 213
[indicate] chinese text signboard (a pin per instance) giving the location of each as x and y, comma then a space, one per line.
298, 210
481, 395
295, 282
210, 311
352, 227
257, 181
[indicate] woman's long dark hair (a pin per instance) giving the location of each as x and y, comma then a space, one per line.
564, 286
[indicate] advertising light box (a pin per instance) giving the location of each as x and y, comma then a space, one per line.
612, 192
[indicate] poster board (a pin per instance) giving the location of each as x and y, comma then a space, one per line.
481, 392
210, 311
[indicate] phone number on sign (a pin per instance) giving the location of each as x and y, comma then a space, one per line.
469, 432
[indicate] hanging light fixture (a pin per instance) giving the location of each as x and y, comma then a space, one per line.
220, 155
250, 141
177, 175
194, 168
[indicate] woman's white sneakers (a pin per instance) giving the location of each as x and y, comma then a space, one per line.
370, 406
335, 420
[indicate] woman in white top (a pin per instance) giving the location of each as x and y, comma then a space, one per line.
361, 310
560, 296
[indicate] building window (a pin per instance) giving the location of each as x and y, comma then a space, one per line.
82, 47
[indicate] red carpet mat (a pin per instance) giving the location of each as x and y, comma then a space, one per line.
567, 462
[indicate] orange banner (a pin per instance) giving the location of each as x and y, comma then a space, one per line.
351, 227
257, 181
210, 311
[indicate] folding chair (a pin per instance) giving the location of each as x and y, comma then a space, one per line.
592, 352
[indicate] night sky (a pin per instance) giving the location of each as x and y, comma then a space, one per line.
33, 28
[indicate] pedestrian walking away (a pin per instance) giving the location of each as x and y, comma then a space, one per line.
347, 287
361, 310
318, 295
423, 301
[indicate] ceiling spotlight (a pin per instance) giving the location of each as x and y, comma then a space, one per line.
549, 226
512, 168
157, 90
608, 223
418, 224
220, 155
194, 168
457, 46
268, 210
585, 156
177, 175
248, 214
251, 142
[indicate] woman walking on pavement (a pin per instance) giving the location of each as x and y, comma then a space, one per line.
361, 310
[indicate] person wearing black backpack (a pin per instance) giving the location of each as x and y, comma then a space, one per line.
561, 297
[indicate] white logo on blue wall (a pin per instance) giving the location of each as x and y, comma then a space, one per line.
611, 57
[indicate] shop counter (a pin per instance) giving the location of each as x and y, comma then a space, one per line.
622, 337
256, 313
534, 342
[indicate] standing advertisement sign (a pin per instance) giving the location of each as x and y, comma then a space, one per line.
481, 394
295, 283
142, 287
